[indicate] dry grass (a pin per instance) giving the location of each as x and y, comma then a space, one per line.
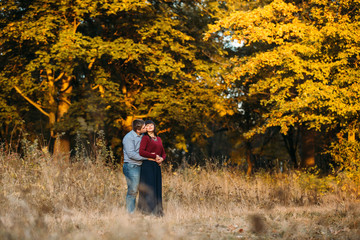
40, 199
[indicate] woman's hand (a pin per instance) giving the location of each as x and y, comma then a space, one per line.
159, 160
152, 159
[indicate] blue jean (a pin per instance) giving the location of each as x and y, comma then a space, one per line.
132, 174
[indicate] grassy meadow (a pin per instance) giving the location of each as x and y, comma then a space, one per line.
43, 199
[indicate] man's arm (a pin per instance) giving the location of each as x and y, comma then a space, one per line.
129, 148
142, 151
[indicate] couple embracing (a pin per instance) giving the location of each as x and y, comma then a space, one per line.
143, 155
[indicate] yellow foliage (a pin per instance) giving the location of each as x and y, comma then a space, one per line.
312, 181
181, 143
347, 156
301, 63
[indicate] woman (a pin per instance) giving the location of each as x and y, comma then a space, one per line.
150, 192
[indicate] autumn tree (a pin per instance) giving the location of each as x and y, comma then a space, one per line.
42, 47
90, 65
301, 64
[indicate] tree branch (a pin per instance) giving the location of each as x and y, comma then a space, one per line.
59, 77
164, 130
32, 102
66, 101
141, 116
91, 63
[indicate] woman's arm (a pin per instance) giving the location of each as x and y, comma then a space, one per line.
143, 148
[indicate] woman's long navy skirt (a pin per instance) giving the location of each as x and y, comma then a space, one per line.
150, 192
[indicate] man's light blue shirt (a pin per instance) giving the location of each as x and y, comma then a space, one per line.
131, 146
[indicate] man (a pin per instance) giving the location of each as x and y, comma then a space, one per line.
133, 161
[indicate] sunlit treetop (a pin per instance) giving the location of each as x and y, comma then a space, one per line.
299, 59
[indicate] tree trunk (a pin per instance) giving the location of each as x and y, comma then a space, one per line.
308, 148
291, 145
127, 123
248, 159
56, 111
52, 102
62, 142
351, 135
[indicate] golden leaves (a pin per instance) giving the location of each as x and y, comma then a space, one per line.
301, 63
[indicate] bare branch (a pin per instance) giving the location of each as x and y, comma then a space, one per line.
141, 116
39, 107
59, 77
164, 130
91, 63
65, 101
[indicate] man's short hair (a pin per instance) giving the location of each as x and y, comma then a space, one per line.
138, 124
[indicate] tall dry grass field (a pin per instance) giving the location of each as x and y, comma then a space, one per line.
41, 199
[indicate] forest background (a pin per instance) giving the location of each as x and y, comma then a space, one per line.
257, 103
262, 84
